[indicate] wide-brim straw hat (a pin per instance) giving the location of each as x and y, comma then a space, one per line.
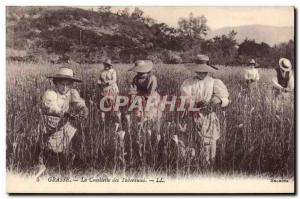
285, 64
201, 59
65, 73
200, 67
107, 62
142, 66
252, 61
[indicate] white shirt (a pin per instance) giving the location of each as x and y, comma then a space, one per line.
109, 77
204, 90
58, 103
252, 74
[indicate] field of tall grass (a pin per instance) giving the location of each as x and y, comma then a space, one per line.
257, 137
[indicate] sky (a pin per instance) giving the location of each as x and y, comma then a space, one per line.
220, 16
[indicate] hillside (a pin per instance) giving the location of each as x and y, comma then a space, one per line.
260, 33
79, 33
62, 34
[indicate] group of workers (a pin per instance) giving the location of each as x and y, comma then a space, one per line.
64, 102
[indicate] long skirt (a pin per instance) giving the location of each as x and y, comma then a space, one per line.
150, 114
111, 91
208, 128
251, 85
60, 140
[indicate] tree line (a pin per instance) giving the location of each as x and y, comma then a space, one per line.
132, 35
183, 43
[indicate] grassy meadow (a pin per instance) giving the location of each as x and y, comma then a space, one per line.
256, 137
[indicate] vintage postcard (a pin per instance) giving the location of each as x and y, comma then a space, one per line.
141, 99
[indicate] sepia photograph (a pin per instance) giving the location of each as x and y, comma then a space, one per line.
150, 99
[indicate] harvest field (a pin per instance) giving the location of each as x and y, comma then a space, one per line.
256, 137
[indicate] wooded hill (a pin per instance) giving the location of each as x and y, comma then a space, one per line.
58, 34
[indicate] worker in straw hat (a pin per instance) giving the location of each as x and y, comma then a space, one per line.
108, 85
251, 75
284, 81
144, 88
207, 93
108, 82
144, 84
60, 106
283, 84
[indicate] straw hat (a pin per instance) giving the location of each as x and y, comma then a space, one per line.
142, 66
201, 58
252, 61
65, 73
107, 62
285, 64
201, 65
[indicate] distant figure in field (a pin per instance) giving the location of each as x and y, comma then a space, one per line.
61, 106
284, 81
144, 84
108, 83
252, 75
208, 93
283, 86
